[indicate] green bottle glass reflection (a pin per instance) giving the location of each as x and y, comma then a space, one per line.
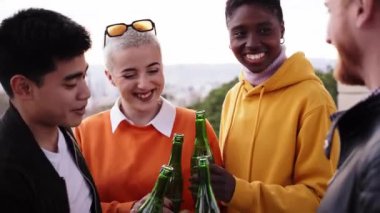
206, 202
201, 144
155, 201
175, 187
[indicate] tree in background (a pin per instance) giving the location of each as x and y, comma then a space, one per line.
214, 101
329, 81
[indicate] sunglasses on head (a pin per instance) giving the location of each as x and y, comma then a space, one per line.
143, 25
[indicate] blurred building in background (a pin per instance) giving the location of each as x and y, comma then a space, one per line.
350, 95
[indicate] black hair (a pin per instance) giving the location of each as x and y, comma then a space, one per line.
33, 40
272, 5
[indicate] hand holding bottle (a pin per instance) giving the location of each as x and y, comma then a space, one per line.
205, 199
223, 183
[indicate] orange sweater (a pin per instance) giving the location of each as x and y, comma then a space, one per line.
125, 164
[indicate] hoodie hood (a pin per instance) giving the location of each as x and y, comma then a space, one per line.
294, 70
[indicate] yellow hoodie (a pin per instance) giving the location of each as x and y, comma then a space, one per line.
272, 138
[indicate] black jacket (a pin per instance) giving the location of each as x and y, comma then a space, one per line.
356, 185
28, 181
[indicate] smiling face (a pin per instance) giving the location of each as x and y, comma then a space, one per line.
138, 75
62, 97
255, 34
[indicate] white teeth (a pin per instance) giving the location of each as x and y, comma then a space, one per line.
145, 95
255, 56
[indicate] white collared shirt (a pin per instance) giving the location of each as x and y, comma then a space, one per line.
162, 122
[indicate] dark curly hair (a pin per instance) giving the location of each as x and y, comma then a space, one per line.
272, 5
33, 40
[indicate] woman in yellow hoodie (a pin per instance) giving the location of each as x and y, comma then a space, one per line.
274, 120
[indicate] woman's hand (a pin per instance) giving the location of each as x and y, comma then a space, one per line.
222, 182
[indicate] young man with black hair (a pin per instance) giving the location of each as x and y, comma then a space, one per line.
42, 70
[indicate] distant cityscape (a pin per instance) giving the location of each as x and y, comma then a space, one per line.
185, 84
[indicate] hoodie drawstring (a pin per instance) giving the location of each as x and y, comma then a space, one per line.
256, 128
231, 116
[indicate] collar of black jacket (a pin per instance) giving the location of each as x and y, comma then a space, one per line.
355, 125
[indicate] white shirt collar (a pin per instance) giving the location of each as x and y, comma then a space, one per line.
163, 121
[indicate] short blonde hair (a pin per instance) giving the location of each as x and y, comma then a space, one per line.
131, 38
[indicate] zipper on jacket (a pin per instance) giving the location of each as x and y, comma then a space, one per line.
85, 177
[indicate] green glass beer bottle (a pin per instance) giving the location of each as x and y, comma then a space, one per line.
155, 201
201, 144
206, 202
175, 187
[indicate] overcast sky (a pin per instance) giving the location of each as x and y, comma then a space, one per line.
190, 31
